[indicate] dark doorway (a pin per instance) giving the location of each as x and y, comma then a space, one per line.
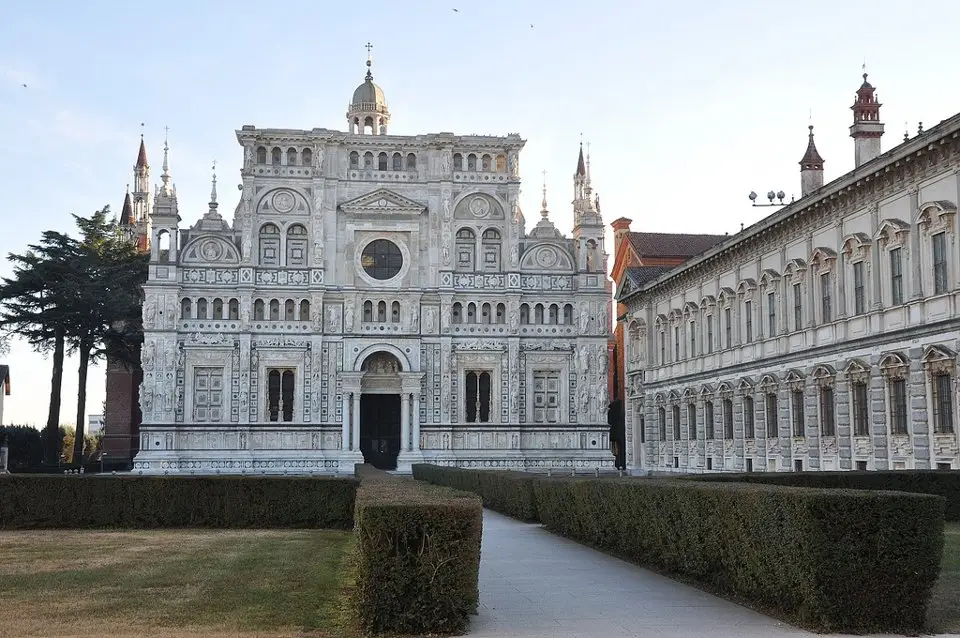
380, 430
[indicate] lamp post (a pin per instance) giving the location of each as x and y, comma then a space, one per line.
780, 195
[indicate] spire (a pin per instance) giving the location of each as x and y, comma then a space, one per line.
213, 189
165, 175
127, 213
581, 169
587, 189
142, 155
811, 167
544, 211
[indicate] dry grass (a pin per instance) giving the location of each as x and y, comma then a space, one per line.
178, 583
944, 612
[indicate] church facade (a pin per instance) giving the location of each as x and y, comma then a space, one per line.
824, 337
376, 298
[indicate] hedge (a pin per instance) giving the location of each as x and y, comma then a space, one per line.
940, 482
828, 560
417, 559
75, 501
509, 493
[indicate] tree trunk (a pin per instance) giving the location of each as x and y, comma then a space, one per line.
84, 352
52, 450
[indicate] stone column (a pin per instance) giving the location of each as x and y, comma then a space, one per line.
356, 422
404, 421
345, 436
416, 422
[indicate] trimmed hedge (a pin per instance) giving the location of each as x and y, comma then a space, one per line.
74, 501
828, 560
509, 493
943, 483
417, 561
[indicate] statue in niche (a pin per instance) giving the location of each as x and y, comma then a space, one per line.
514, 253
333, 319
514, 398
445, 162
447, 214
181, 357
513, 319
146, 399
316, 316
149, 353
318, 158
584, 358
348, 315
584, 319
445, 255
445, 393
246, 246
512, 163
245, 312
429, 320
149, 310
414, 319
583, 395
247, 156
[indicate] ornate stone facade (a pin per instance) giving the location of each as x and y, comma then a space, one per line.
360, 266
824, 337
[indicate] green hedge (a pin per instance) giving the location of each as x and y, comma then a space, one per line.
939, 482
417, 562
829, 560
74, 501
509, 493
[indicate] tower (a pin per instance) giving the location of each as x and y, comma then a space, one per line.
811, 168
588, 230
368, 108
164, 216
867, 128
141, 198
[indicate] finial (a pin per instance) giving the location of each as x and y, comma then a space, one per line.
369, 46
213, 191
543, 205
906, 133
165, 175
142, 124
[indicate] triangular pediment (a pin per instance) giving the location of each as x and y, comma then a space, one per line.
382, 201
627, 287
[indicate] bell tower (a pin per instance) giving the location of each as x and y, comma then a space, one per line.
368, 113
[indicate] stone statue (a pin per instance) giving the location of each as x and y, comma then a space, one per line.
584, 358
445, 255
445, 315
584, 319
415, 319
512, 163
447, 213
247, 156
514, 253
246, 246
514, 399
318, 158
583, 394
445, 392
429, 320
149, 353
316, 317
333, 317
514, 319
444, 162
150, 310
245, 312
348, 315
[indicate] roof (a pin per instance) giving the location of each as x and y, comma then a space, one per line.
672, 244
368, 93
5, 379
142, 155
581, 168
811, 159
643, 274
127, 213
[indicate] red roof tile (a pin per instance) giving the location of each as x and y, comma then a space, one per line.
672, 244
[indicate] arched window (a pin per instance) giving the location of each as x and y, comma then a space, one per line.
456, 314
486, 163
538, 314
277, 155
568, 315
382, 311
201, 308
382, 162
471, 162
354, 159
368, 311
485, 313
554, 314
304, 310
524, 313
466, 248
234, 310
217, 309
269, 245
501, 313
395, 312
163, 246
261, 155
471, 312
411, 162
491, 250
307, 157
291, 157
289, 310
457, 162
397, 162
258, 307
186, 309
296, 245
274, 310
368, 160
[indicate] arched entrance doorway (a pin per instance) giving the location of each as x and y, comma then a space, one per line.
380, 410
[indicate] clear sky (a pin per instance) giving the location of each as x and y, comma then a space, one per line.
688, 105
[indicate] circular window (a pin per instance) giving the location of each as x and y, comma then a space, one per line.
381, 259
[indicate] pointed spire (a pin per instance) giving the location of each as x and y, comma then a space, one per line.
127, 213
581, 167
213, 189
165, 175
811, 159
544, 212
142, 155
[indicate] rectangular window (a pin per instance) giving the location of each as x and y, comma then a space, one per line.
771, 415
663, 347
861, 426
797, 307
896, 277
693, 338
728, 418
692, 421
477, 397
748, 320
771, 314
709, 334
826, 299
828, 425
939, 263
280, 394
676, 343
708, 419
662, 414
207, 395
898, 406
727, 317
796, 401
859, 292
546, 396
942, 404
749, 430
676, 422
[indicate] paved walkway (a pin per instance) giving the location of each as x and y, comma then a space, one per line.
534, 584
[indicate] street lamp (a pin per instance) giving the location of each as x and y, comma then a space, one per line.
770, 196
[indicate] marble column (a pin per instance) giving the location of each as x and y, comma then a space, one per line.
345, 436
356, 422
404, 421
416, 422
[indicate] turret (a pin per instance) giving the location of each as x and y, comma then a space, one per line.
165, 217
811, 168
368, 108
588, 230
867, 128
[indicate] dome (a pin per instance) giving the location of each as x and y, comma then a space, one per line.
369, 93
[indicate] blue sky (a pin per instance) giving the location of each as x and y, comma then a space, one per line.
688, 105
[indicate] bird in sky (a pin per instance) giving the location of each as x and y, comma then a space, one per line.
457, 10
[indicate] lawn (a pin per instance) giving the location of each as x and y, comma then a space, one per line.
944, 612
172, 582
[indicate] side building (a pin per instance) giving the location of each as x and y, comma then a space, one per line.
824, 337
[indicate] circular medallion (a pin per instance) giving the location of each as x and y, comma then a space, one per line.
283, 202
381, 259
479, 206
546, 257
211, 250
